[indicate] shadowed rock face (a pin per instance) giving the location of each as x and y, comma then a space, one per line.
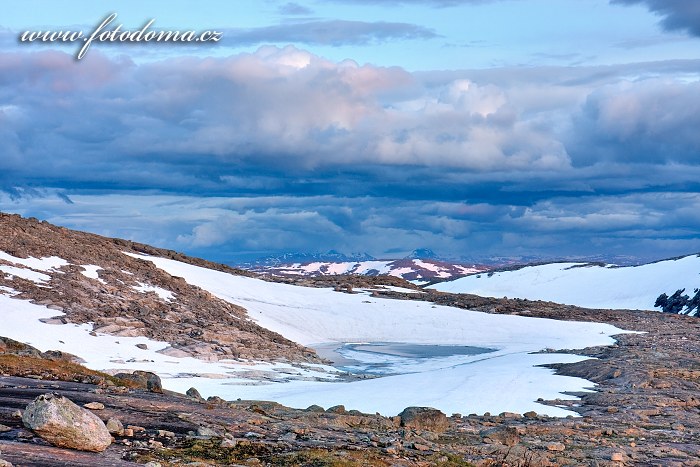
62, 423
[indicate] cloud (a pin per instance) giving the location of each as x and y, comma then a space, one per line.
677, 15
294, 9
280, 149
650, 121
645, 225
430, 3
328, 32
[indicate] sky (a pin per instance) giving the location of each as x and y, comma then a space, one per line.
475, 128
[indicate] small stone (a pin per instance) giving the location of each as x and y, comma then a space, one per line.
207, 432
4, 428
24, 434
153, 444
17, 414
421, 447
94, 406
391, 450
556, 447
617, 457
530, 415
4, 463
152, 464
128, 432
142, 346
611, 409
115, 426
229, 443
339, 409
194, 394
506, 435
315, 408
166, 434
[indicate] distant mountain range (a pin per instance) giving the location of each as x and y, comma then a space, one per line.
421, 265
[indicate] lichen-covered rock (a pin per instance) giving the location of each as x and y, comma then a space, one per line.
424, 418
63, 423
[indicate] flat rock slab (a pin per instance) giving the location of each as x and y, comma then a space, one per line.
34, 455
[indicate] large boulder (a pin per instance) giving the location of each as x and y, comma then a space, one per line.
424, 418
142, 379
64, 424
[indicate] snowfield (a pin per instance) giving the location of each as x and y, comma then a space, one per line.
507, 379
504, 380
591, 286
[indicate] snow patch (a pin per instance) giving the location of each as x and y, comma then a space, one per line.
30, 275
41, 264
161, 292
8, 291
90, 271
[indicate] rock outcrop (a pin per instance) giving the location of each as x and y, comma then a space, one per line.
64, 424
142, 379
424, 418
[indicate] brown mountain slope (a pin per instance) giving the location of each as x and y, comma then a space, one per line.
195, 322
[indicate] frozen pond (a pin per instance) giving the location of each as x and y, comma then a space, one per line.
391, 358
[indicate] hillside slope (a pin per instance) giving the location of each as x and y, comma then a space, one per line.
91, 280
586, 285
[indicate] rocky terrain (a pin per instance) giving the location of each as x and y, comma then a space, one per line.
196, 323
645, 409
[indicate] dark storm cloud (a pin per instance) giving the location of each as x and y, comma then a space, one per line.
652, 121
678, 15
